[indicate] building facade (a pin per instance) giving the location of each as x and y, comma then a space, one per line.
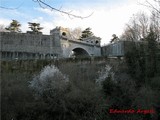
38, 46
28, 46
117, 49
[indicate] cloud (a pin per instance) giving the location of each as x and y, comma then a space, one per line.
4, 22
105, 21
109, 17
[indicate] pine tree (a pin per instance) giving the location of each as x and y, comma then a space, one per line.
14, 26
35, 27
151, 52
86, 33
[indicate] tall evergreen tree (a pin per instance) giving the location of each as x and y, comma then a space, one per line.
86, 33
14, 26
114, 39
152, 50
35, 27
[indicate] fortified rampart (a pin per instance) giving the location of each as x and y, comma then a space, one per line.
29, 46
59, 44
117, 49
71, 46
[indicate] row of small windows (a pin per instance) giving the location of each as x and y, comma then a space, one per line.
64, 34
43, 42
25, 55
29, 43
93, 41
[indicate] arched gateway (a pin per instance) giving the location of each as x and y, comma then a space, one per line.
79, 52
59, 44
79, 48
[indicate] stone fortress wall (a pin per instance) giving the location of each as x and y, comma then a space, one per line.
38, 46
88, 46
59, 44
29, 46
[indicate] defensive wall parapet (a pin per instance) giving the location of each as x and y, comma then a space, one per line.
29, 46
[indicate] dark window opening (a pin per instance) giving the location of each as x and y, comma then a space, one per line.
97, 42
63, 33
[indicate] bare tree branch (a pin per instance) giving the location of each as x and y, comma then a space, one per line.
2, 7
153, 7
149, 5
45, 5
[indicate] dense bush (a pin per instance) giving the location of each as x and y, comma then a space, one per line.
77, 91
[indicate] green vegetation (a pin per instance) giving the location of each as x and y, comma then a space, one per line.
35, 27
14, 26
19, 101
90, 92
114, 39
86, 33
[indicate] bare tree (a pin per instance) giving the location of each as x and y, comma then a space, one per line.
76, 33
137, 29
2, 28
154, 6
155, 24
144, 24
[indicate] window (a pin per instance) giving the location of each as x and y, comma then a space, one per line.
97, 42
63, 33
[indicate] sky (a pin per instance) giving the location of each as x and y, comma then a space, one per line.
108, 16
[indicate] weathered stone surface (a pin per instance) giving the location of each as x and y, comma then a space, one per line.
38, 46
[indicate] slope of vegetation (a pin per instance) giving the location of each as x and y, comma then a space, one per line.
92, 90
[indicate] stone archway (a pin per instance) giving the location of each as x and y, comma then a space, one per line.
79, 52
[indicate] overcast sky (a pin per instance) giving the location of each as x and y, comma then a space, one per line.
109, 16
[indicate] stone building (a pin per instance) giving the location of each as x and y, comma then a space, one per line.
28, 46
59, 44
70, 46
117, 49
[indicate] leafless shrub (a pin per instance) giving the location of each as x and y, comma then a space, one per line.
104, 73
49, 81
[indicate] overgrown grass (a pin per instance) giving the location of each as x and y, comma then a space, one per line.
83, 100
